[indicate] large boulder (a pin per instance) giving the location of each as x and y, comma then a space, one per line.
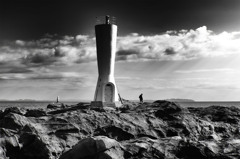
34, 146
203, 150
9, 144
100, 147
2, 152
56, 105
167, 110
13, 121
15, 110
147, 148
229, 115
35, 113
117, 133
167, 106
52, 106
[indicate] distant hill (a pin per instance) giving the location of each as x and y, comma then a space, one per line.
171, 100
17, 100
25, 100
180, 100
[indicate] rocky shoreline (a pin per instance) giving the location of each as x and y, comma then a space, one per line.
157, 130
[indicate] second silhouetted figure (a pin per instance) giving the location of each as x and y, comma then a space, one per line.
141, 98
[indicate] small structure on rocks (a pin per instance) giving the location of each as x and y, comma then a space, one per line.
58, 98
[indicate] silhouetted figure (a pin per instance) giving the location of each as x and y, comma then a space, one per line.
107, 19
141, 98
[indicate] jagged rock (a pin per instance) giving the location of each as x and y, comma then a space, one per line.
201, 150
229, 115
114, 132
192, 151
142, 148
70, 108
35, 113
2, 152
65, 131
167, 110
128, 105
168, 107
6, 133
148, 130
15, 110
83, 105
1, 114
171, 132
13, 121
52, 106
100, 147
8, 141
124, 109
33, 146
98, 109
29, 129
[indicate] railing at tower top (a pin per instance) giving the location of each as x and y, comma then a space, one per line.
106, 20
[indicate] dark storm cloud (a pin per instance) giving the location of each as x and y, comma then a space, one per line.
19, 70
69, 50
12, 69
73, 78
126, 52
47, 41
52, 50
39, 59
170, 51
27, 19
52, 76
122, 55
121, 58
58, 53
41, 75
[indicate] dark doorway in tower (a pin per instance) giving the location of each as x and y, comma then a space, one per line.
109, 92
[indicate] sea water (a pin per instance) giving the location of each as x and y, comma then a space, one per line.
29, 104
210, 103
43, 104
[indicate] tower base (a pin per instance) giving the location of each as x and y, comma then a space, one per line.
100, 104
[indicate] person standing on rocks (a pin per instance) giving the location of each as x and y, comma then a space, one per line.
141, 98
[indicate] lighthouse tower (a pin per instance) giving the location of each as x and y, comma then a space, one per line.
106, 94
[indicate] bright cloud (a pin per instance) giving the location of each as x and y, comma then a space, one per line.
49, 50
181, 45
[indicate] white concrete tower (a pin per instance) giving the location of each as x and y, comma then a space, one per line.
106, 93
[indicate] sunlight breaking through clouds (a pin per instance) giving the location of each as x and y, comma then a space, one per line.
221, 70
188, 61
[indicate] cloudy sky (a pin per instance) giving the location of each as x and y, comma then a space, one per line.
165, 49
